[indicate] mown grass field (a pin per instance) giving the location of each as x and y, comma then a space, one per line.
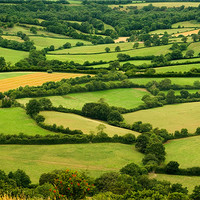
185, 151
42, 42
77, 122
93, 158
175, 80
96, 48
126, 98
9, 37
171, 31
11, 55
187, 181
111, 56
195, 47
6, 75
31, 79
186, 24
171, 117
185, 60
15, 121
135, 62
177, 68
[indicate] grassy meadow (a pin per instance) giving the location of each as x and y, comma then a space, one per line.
171, 117
186, 181
171, 31
185, 151
11, 55
187, 24
77, 122
15, 121
93, 158
177, 68
174, 80
129, 98
6, 75
157, 50
42, 42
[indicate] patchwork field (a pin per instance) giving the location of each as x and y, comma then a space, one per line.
11, 55
177, 80
77, 122
177, 68
171, 117
6, 75
15, 121
187, 151
111, 56
186, 181
129, 98
31, 79
93, 158
16, 38
186, 60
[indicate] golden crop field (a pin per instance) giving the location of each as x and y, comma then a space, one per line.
33, 79
187, 33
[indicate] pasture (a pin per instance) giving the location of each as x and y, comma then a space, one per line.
195, 47
174, 80
31, 79
186, 24
187, 181
11, 55
187, 151
177, 92
186, 60
42, 42
96, 48
171, 31
77, 122
157, 50
9, 37
95, 159
15, 121
177, 68
157, 4
129, 98
171, 117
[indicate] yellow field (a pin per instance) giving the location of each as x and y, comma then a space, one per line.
33, 79
188, 33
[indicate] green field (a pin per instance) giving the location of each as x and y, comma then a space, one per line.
77, 122
93, 158
126, 97
185, 151
96, 48
135, 62
5, 75
111, 56
177, 68
171, 31
195, 47
171, 117
185, 60
159, 4
11, 55
177, 92
42, 42
179, 81
187, 181
15, 121
186, 24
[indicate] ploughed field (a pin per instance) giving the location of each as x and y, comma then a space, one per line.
13, 80
171, 117
95, 159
